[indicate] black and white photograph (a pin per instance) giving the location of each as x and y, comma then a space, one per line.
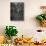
17, 11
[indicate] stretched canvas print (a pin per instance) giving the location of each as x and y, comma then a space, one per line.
17, 11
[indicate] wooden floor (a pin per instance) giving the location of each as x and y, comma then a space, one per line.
30, 45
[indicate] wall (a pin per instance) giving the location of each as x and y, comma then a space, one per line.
32, 8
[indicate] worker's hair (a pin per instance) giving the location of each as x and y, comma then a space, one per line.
42, 7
